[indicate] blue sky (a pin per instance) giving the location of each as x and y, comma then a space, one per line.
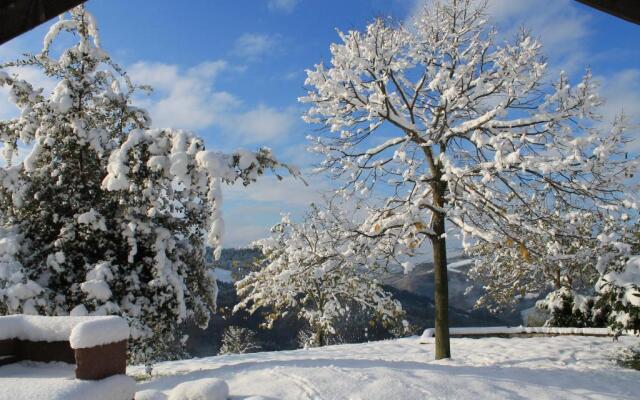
232, 71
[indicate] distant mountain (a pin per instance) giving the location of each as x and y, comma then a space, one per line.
414, 290
207, 342
234, 264
420, 282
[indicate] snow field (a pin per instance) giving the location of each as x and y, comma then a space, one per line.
202, 389
55, 381
563, 367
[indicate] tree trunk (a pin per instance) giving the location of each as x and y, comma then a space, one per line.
441, 287
320, 337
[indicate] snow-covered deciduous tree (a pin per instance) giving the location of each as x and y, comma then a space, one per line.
565, 253
238, 340
314, 269
580, 257
104, 215
451, 126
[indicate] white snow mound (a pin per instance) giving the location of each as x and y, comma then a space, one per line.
99, 331
201, 389
150, 395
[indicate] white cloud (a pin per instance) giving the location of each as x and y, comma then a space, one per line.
288, 192
298, 155
188, 99
286, 6
621, 92
184, 98
241, 235
294, 75
265, 200
262, 124
559, 24
253, 46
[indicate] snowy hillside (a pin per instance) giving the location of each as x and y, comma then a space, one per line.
568, 367
420, 282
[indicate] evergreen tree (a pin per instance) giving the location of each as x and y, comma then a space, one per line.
104, 215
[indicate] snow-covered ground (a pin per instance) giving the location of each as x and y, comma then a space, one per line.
29, 380
462, 263
566, 367
223, 275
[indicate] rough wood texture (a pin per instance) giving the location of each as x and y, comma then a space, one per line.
441, 281
101, 361
7, 347
8, 351
45, 351
91, 363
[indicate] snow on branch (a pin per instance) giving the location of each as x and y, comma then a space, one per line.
478, 133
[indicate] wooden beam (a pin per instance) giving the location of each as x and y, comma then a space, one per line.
20, 16
626, 9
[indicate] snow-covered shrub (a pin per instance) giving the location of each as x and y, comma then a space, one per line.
238, 340
629, 357
620, 290
315, 269
305, 339
566, 308
105, 215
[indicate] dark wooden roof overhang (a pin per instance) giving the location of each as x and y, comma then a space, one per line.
625, 9
20, 16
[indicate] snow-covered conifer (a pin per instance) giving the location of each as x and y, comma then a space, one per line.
104, 215
449, 125
619, 289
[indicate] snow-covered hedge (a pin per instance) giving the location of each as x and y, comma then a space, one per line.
81, 332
